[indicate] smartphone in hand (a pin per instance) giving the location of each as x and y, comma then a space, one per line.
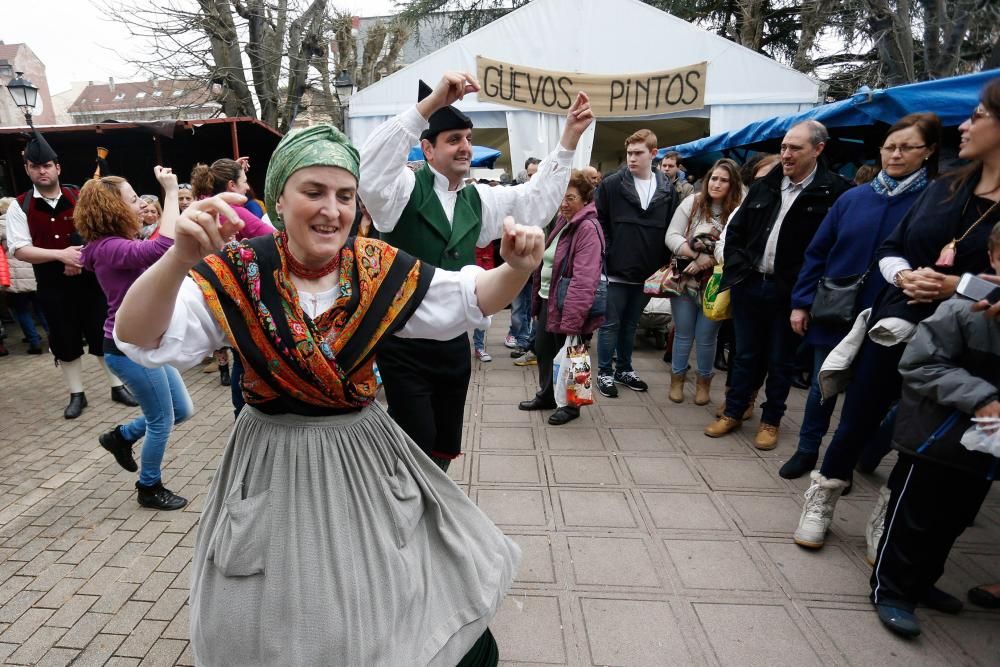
977, 289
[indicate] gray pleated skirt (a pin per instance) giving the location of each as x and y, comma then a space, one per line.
336, 541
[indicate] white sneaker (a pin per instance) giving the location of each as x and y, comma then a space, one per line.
483, 355
510, 342
821, 498
526, 359
876, 524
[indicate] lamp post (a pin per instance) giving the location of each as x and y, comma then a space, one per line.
25, 95
344, 85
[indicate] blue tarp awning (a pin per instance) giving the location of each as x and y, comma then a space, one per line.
952, 99
482, 156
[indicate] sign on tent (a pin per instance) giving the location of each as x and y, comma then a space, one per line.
611, 96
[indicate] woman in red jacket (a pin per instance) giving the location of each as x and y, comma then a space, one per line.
574, 251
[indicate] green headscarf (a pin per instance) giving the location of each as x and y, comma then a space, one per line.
318, 145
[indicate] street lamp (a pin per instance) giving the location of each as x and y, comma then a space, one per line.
344, 84
25, 95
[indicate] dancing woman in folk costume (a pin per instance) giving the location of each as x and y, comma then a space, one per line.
327, 537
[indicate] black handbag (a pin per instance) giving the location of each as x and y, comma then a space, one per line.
600, 305
836, 302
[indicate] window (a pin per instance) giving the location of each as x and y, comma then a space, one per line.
140, 95
120, 96
177, 93
157, 93
97, 100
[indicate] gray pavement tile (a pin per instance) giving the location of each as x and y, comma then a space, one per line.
724, 474
508, 469
683, 511
660, 470
515, 508
626, 415
537, 561
642, 440
99, 650
633, 632
573, 439
58, 657
720, 565
861, 640
530, 628
612, 562
755, 634
827, 571
595, 509
164, 653
11, 610
127, 617
599, 470
696, 443
71, 611
141, 639
976, 636
492, 437
25, 625
32, 650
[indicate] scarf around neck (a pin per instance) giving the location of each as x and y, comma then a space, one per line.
884, 184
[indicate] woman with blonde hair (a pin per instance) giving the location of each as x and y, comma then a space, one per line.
108, 216
692, 237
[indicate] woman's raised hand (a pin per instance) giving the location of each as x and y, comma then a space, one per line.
521, 246
166, 177
205, 226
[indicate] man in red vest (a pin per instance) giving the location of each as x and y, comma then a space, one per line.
40, 231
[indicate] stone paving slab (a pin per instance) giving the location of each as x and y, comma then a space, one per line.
644, 542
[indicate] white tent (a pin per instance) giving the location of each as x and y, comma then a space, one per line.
595, 37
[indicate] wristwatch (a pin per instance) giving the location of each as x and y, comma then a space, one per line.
896, 281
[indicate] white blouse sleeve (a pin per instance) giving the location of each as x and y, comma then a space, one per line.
449, 308
192, 334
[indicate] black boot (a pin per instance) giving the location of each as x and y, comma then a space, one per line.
120, 447
77, 402
537, 403
158, 497
800, 464
224, 378
121, 394
563, 415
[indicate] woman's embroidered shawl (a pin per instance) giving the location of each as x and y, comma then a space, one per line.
292, 363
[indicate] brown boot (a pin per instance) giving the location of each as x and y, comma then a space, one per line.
767, 437
702, 391
677, 387
722, 426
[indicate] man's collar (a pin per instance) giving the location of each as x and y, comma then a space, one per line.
786, 182
441, 182
39, 195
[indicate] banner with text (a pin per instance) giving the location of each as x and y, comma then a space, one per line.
611, 96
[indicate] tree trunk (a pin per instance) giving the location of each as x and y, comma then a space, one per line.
945, 27
305, 40
227, 69
893, 39
814, 15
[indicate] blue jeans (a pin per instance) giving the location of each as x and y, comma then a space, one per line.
765, 344
816, 421
520, 318
479, 339
690, 325
23, 304
616, 337
164, 401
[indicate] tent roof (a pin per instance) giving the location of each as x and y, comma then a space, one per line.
951, 99
597, 37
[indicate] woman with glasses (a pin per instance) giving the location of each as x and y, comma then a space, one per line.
845, 245
150, 217
942, 236
574, 252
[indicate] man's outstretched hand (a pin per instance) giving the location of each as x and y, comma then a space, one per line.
578, 119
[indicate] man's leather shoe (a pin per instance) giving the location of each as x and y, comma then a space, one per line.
536, 403
120, 447
158, 497
721, 426
77, 402
34, 349
903, 623
563, 415
121, 394
767, 437
937, 599
800, 464
981, 597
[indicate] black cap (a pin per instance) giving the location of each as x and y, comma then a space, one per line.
446, 118
38, 150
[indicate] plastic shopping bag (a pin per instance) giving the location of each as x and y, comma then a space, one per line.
579, 389
560, 377
984, 436
715, 304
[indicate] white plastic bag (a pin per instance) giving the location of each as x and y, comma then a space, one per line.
560, 376
984, 436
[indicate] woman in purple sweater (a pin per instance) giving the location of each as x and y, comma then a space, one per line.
107, 215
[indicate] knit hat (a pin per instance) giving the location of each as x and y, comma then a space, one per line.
316, 146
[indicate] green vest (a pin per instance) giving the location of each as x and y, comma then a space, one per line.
423, 229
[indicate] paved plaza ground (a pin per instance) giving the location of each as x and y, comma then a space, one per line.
645, 543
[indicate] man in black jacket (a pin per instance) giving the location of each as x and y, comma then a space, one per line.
765, 246
634, 206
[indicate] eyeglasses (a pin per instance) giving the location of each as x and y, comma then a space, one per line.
980, 112
569, 199
184, 186
903, 149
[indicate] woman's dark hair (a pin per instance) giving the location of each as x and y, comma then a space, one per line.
989, 98
703, 204
579, 181
929, 127
207, 181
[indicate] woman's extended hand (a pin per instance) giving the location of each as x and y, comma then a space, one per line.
205, 226
702, 262
166, 177
521, 246
925, 285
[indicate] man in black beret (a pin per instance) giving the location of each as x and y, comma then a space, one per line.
40, 231
435, 216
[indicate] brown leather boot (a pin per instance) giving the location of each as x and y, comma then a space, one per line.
677, 387
702, 390
722, 426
